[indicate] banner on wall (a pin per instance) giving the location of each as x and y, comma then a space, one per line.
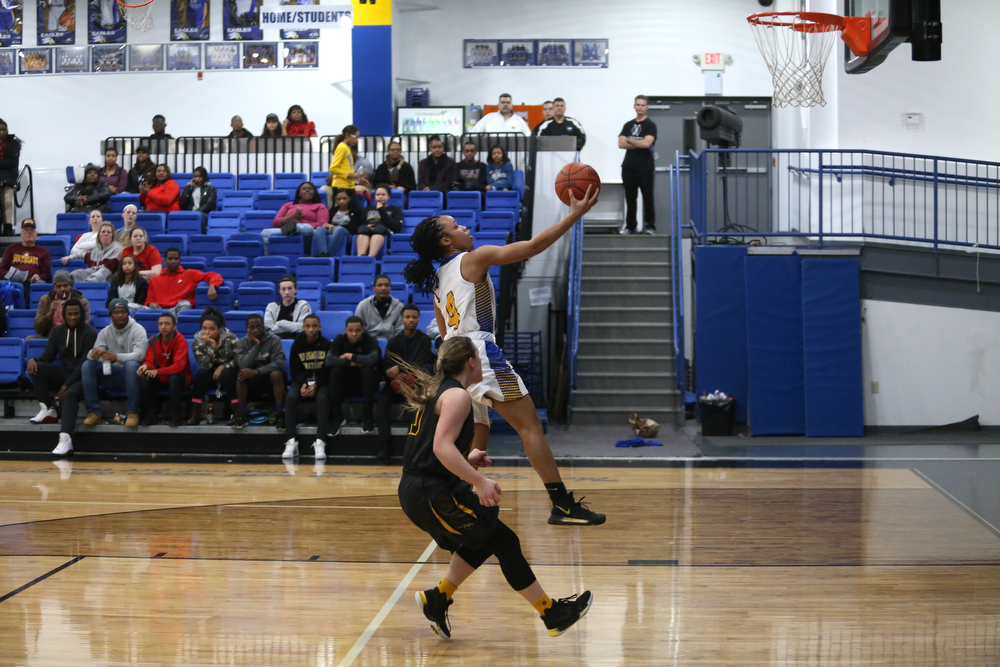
105, 22
241, 20
299, 34
310, 17
11, 26
56, 21
189, 20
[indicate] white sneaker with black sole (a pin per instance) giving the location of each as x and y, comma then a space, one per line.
319, 449
65, 445
46, 415
291, 449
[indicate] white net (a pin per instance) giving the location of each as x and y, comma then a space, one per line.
139, 17
796, 51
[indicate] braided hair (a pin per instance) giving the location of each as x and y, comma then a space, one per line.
426, 242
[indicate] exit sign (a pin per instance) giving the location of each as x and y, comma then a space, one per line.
713, 61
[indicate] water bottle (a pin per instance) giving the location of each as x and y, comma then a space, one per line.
210, 415
107, 367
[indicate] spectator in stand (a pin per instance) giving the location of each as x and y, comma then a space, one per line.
272, 126
174, 289
309, 381
49, 313
381, 220
86, 241
124, 233
638, 168
546, 114
112, 175
128, 284
381, 313
437, 170
70, 342
26, 262
470, 173
353, 361
89, 195
145, 254
345, 222
285, 316
238, 132
297, 124
499, 170
10, 156
215, 352
503, 120
103, 260
160, 129
413, 348
305, 216
342, 168
142, 171
261, 358
396, 171
164, 195
561, 125
166, 365
199, 195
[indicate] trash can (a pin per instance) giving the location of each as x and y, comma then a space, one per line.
716, 417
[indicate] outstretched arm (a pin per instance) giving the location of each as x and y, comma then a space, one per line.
478, 262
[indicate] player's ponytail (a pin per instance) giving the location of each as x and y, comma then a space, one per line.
452, 357
426, 242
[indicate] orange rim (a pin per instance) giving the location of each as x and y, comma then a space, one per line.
135, 6
855, 30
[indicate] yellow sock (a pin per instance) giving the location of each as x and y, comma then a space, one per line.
447, 588
541, 604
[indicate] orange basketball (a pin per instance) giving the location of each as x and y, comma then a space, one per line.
66, 20
577, 176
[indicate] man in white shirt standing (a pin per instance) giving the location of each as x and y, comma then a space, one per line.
504, 120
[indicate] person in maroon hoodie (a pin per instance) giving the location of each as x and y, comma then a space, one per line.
166, 365
174, 288
26, 262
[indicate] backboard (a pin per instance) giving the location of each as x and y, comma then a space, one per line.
892, 23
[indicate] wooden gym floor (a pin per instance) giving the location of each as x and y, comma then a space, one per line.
233, 564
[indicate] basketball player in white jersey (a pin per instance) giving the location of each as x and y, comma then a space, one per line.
109, 13
465, 305
55, 10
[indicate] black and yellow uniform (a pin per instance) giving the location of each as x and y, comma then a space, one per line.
433, 498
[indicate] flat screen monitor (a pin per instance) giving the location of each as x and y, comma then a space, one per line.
430, 120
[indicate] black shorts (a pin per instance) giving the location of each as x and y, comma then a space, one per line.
448, 510
261, 384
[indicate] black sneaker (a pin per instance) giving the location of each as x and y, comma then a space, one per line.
240, 421
367, 427
435, 605
384, 452
565, 612
576, 514
279, 423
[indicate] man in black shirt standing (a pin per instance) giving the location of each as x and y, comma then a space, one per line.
637, 138
413, 347
561, 125
353, 361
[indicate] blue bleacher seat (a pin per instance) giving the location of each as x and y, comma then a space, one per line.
255, 221
154, 222
272, 200
426, 317
354, 250
248, 248
208, 246
222, 180
58, 245
289, 180
224, 299
19, 295
118, 202
463, 216
220, 195
74, 264
463, 199
239, 200
318, 178
320, 269
312, 292
182, 178
332, 322
34, 348
519, 182
224, 223
400, 243
363, 200
21, 322
11, 359
187, 324
254, 181
236, 321
396, 198
236, 269
255, 295
394, 264
356, 270
431, 199
72, 224
96, 293
497, 220
400, 290
196, 263
289, 246
163, 241
115, 219
343, 296
423, 301
148, 319
273, 261
184, 222
269, 274
99, 317
36, 291
286, 345
503, 199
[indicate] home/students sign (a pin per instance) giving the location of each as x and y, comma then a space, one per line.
306, 17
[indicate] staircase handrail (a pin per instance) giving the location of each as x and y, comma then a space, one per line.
27, 191
677, 273
573, 300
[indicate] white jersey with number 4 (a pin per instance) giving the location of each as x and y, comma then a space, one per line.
467, 307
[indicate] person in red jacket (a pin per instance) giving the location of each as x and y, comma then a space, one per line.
166, 365
174, 289
164, 195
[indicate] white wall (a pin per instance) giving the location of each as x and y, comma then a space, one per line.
651, 48
65, 117
933, 365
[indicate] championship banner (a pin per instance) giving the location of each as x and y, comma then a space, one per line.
300, 34
56, 22
11, 26
105, 22
307, 17
241, 20
189, 20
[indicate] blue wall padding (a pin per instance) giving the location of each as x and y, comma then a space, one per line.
371, 54
774, 345
831, 318
721, 324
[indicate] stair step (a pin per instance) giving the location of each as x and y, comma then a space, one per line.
641, 284
634, 299
626, 269
618, 382
619, 417
619, 364
625, 399
644, 323
605, 346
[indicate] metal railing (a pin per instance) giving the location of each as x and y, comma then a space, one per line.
573, 300
25, 184
677, 273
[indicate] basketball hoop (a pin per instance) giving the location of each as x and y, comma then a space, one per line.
138, 16
797, 57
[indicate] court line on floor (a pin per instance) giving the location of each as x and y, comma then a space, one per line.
41, 578
962, 506
362, 641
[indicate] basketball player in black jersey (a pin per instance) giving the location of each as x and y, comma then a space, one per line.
443, 493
